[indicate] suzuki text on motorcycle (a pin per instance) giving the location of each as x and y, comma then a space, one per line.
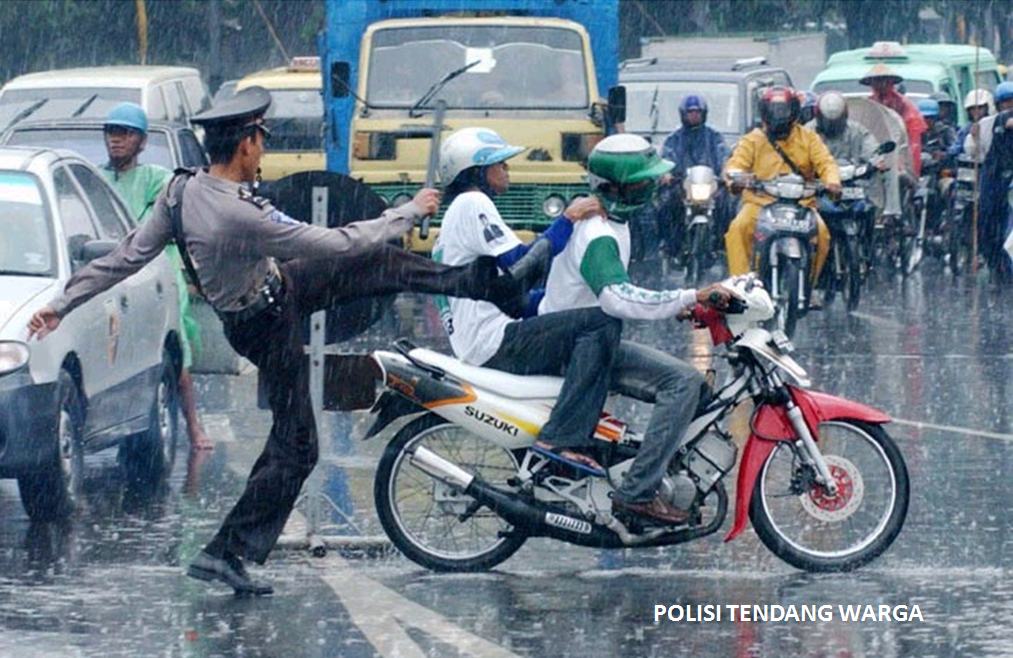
457, 489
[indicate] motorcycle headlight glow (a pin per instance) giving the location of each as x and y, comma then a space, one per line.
14, 355
554, 205
700, 192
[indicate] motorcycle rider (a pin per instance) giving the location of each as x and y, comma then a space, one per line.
978, 141
591, 272
947, 108
756, 153
979, 104
693, 144
936, 143
578, 345
884, 82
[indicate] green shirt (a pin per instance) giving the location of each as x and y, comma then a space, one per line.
139, 187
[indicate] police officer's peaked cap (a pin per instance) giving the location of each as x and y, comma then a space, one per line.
245, 106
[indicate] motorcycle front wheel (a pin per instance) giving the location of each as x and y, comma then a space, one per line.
811, 530
786, 310
435, 524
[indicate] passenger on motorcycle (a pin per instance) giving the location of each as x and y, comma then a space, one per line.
936, 143
694, 144
756, 154
978, 141
591, 273
883, 82
578, 345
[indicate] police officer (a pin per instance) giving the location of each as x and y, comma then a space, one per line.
263, 273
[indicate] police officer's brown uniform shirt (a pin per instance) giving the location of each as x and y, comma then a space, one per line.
233, 239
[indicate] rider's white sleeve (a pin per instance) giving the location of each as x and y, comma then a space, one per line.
630, 302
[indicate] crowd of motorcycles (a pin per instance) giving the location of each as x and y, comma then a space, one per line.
936, 222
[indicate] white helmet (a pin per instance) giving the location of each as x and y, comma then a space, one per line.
472, 147
759, 306
832, 105
977, 97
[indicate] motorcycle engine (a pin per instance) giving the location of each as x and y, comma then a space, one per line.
678, 489
709, 459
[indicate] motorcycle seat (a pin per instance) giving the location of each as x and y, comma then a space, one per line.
497, 381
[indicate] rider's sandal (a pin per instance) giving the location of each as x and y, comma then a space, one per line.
570, 458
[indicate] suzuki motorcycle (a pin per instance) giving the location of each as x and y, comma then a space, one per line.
458, 489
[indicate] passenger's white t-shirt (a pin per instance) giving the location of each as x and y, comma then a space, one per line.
472, 227
566, 287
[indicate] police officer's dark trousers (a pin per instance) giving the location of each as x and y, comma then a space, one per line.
273, 341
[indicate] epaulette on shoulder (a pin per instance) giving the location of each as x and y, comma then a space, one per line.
250, 197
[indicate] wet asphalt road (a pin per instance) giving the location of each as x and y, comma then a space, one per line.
935, 354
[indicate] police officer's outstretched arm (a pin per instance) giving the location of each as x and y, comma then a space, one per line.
136, 250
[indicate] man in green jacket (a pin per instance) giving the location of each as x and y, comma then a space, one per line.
126, 134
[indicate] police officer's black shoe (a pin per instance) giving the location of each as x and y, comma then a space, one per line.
503, 290
229, 570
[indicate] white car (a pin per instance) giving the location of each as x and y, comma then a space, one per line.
108, 374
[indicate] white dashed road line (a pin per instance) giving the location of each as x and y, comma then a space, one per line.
956, 430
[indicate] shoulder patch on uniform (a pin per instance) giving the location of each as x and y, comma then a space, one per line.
249, 196
278, 217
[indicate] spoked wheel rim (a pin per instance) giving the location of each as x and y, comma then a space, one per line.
428, 511
828, 527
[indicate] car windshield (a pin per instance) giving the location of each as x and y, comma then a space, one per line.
61, 103
919, 87
654, 106
90, 143
26, 242
296, 121
516, 67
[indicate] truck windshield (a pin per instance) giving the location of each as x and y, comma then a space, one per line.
654, 106
61, 103
91, 144
26, 248
296, 120
520, 67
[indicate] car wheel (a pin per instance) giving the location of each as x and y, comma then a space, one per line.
149, 456
52, 490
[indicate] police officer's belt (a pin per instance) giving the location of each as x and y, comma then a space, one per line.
265, 299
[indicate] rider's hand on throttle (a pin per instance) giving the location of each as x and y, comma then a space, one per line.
428, 200
583, 207
720, 295
833, 189
43, 321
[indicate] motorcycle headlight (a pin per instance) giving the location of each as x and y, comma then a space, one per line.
14, 355
554, 205
700, 192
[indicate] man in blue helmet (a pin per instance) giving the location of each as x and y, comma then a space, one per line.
126, 135
693, 144
939, 137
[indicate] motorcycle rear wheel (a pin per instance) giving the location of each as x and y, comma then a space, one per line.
421, 515
809, 530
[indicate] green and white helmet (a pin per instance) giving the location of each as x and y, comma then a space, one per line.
623, 170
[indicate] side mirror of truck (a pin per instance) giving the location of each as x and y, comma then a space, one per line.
617, 105
341, 75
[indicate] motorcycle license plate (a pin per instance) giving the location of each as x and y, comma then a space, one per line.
782, 342
852, 193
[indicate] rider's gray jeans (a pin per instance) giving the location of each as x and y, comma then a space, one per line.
673, 386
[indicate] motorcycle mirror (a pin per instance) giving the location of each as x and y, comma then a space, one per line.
886, 147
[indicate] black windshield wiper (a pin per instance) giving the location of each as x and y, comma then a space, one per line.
84, 106
27, 112
435, 89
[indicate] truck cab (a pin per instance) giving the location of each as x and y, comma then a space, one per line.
527, 71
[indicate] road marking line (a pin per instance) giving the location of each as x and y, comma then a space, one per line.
383, 615
954, 429
886, 322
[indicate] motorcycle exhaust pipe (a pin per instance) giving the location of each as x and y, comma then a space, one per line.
529, 518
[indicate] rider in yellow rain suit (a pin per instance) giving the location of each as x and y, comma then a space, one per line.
755, 154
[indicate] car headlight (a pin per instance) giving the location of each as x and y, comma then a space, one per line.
554, 205
14, 355
400, 199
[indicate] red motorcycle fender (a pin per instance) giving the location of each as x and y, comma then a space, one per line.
770, 424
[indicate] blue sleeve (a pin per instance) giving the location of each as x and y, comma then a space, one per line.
722, 150
958, 146
558, 234
668, 149
535, 296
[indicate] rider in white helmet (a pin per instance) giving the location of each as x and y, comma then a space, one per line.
846, 139
979, 104
578, 345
